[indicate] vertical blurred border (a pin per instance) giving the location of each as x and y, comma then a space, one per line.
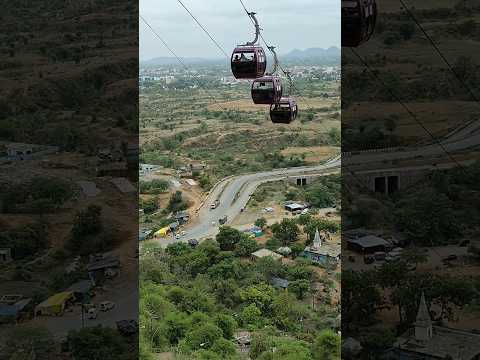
68, 180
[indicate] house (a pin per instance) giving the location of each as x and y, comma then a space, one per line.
103, 266
81, 290
279, 283
11, 313
255, 231
19, 151
368, 244
322, 253
259, 254
55, 305
182, 217
143, 234
429, 342
5, 255
174, 226
293, 207
163, 232
243, 340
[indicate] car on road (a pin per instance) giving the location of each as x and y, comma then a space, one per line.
92, 313
106, 305
222, 220
215, 204
193, 242
450, 258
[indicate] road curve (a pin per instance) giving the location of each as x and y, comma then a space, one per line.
234, 193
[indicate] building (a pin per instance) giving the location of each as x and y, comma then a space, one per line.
368, 244
5, 255
293, 207
55, 305
322, 253
259, 254
11, 313
182, 217
279, 283
428, 342
19, 151
81, 290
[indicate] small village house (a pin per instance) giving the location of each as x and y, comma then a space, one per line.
259, 254
427, 341
321, 253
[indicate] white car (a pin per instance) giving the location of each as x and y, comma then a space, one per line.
107, 305
268, 209
92, 313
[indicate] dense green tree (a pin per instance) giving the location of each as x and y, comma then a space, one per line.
99, 343
228, 237
326, 346
299, 287
286, 231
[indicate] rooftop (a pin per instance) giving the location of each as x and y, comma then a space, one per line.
460, 345
332, 250
265, 252
369, 241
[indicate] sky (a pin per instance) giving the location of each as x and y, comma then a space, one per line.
287, 24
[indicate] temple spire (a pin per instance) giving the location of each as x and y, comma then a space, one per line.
423, 323
317, 241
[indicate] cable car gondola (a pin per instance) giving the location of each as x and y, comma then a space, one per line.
268, 89
358, 21
284, 112
249, 60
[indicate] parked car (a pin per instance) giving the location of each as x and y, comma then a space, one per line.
193, 242
92, 313
368, 259
106, 305
215, 204
450, 258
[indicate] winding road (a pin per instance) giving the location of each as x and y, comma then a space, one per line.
233, 194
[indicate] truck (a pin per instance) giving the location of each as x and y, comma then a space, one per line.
222, 220
215, 204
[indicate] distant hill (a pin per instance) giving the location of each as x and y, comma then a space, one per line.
313, 53
174, 61
310, 56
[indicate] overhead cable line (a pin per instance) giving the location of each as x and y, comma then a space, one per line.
204, 29
179, 59
439, 52
406, 108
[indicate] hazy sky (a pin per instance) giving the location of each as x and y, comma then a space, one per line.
287, 24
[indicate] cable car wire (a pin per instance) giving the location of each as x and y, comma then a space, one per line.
406, 108
437, 49
179, 59
204, 29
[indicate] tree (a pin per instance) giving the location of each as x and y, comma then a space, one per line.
251, 315
260, 294
227, 324
203, 336
228, 237
286, 231
245, 246
98, 343
224, 348
326, 346
261, 222
20, 343
176, 202
299, 288
87, 222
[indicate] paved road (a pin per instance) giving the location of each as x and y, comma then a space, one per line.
234, 193
457, 142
